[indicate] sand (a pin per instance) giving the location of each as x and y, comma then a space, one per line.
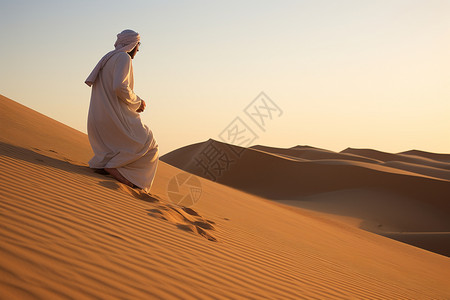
67, 232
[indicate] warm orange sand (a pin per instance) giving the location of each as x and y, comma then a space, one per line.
67, 232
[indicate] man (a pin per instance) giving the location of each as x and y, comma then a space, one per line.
123, 146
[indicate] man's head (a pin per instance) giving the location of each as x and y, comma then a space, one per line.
135, 50
128, 41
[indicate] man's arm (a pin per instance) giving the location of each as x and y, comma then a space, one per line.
121, 82
142, 107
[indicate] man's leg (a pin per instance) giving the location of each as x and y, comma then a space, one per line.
114, 173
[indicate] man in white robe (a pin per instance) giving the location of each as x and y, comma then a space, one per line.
123, 146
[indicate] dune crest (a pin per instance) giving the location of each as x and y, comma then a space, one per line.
387, 157
435, 156
311, 153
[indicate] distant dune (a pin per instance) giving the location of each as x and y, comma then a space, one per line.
435, 156
311, 153
297, 175
280, 177
68, 232
384, 156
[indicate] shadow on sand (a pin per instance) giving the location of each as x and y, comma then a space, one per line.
34, 157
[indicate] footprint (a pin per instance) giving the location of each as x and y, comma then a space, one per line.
196, 230
194, 213
157, 214
182, 217
204, 225
185, 219
136, 193
190, 211
156, 197
144, 196
139, 194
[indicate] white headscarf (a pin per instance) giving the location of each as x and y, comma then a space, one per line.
126, 41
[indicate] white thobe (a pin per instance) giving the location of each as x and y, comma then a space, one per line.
116, 133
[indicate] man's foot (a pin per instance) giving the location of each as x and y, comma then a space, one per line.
114, 173
101, 171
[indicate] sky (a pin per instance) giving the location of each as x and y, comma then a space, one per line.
334, 74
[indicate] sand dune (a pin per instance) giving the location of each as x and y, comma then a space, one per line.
438, 242
277, 177
419, 169
387, 157
434, 156
311, 153
68, 232
413, 161
339, 186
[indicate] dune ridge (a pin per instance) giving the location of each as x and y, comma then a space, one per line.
68, 232
386, 157
435, 156
311, 153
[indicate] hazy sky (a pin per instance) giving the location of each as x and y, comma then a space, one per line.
363, 74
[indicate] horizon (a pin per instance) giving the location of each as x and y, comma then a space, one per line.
253, 145
349, 74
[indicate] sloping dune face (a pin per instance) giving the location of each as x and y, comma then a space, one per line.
26, 128
67, 232
389, 194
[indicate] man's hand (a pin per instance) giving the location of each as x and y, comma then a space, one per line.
142, 107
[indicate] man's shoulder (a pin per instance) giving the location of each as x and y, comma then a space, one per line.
123, 56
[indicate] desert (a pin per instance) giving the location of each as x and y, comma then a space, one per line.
279, 224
